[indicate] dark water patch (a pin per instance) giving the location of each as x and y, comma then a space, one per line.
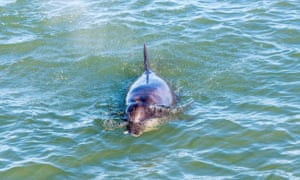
36, 170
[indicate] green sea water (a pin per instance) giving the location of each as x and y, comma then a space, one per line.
65, 67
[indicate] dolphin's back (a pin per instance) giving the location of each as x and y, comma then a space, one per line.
150, 89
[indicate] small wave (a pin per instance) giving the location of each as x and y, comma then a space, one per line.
18, 39
6, 2
33, 169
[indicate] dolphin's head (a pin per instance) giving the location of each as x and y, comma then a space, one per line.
142, 117
137, 114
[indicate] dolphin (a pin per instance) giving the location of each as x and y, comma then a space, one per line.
149, 100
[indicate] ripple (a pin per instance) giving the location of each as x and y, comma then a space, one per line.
31, 169
7, 2
66, 66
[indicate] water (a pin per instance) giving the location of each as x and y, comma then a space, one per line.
65, 68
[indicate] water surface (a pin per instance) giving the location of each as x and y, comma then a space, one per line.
65, 68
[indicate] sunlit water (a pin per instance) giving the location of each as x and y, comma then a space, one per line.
65, 67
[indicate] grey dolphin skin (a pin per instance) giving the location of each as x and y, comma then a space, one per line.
148, 100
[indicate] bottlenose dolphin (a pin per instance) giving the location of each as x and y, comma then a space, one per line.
149, 100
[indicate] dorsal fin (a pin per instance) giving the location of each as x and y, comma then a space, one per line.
146, 62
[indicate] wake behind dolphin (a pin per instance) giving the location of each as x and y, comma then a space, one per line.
149, 99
